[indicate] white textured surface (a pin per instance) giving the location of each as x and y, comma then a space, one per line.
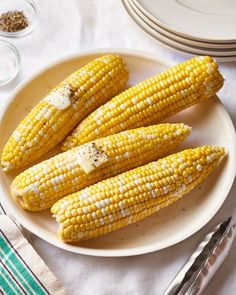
67, 27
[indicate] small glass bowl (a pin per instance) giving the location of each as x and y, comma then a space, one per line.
9, 62
29, 9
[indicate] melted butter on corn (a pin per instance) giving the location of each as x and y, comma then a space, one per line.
60, 98
91, 157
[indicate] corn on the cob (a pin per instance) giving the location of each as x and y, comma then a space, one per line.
151, 101
40, 186
129, 197
61, 110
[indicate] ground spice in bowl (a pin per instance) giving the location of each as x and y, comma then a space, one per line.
13, 21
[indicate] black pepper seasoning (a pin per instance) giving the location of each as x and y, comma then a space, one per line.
13, 21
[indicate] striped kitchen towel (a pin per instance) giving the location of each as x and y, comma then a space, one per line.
22, 271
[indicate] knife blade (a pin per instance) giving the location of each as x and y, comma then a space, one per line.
204, 262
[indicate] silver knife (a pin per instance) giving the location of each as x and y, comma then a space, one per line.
204, 262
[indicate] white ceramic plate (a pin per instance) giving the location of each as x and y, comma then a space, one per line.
211, 125
196, 49
183, 48
178, 38
210, 21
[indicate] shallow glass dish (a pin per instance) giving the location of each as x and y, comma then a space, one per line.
28, 7
9, 62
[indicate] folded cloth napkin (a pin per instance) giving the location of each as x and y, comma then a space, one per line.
22, 271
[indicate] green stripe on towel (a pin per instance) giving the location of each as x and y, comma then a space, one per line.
22, 271
3, 265
19, 268
7, 284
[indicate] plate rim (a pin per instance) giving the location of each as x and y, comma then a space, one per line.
113, 252
182, 39
177, 32
205, 51
152, 33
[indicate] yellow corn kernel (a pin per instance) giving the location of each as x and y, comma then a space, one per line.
40, 186
151, 101
161, 186
63, 108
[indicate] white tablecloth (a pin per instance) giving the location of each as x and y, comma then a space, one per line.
66, 27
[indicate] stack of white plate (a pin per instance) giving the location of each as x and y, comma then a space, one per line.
195, 27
